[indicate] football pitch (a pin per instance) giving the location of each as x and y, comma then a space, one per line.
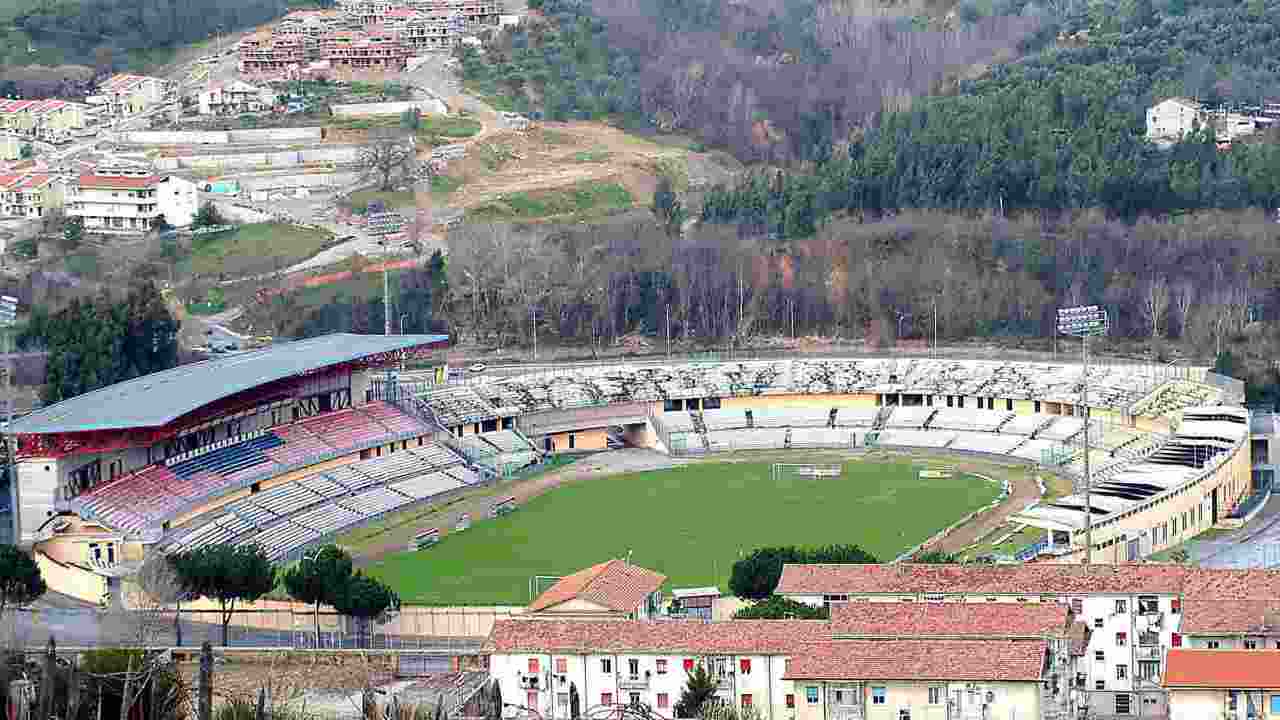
690, 523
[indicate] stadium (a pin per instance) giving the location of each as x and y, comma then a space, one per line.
292, 445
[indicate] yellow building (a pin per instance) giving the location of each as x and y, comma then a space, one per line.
1226, 684
29, 195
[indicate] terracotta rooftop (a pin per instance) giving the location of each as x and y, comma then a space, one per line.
1228, 616
1032, 579
949, 619
117, 181
1225, 669
649, 636
616, 584
972, 660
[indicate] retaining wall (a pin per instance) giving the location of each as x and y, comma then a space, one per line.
388, 108
220, 137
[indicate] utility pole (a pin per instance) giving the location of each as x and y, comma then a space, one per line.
668, 332
1084, 322
533, 328
9, 316
935, 327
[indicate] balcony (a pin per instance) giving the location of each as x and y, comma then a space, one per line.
1149, 652
634, 682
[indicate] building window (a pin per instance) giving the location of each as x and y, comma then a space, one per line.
634, 700
746, 700
606, 698
1149, 669
562, 703
533, 666
664, 701
606, 666
1175, 640
744, 665
935, 695
877, 696
1097, 623
1099, 656
904, 714
1122, 639
1212, 644
1175, 606
531, 699
1122, 671
1122, 704
1148, 605
790, 700
1122, 606
562, 666
1148, 638
1077, 606
1081, 682
811, 694
1250, 644
1099, 685
688, 664
633, 667
661, 666
1275, 704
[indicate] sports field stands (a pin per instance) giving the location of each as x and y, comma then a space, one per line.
1028, 425
909, 417
822, 437
456, 405
1173, 396
916, 438
289, 515
724, 419
986, 442
791, 417
971, 420
719, 441
1033, 449
677, 422
1062, 428
857, 417
150, 496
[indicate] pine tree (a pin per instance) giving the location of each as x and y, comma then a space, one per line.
698, 689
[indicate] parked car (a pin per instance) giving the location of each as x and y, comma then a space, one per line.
479, 368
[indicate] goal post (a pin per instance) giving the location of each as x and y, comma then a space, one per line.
805, 471
539, 584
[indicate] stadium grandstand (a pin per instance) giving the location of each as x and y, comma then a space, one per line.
290, 445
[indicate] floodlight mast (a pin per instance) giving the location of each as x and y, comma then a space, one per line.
1084, 322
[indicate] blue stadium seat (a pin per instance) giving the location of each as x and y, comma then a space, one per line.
232, 458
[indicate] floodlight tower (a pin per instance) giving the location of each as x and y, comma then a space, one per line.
1084, 322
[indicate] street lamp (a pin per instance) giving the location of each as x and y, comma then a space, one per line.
1084, 322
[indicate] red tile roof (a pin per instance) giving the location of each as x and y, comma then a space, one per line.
1225, 669
1032, 579
972, 660
115, 181
690, 636
616, 584
1230, 616
9, 179
32, 182
950, 619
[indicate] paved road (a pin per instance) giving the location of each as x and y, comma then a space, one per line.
1256, 545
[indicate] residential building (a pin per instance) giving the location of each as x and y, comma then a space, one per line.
474, 13
1173, 118
1223, 684
426, 30
29, 195
10, 146
126, 95
612, 589
264, 54
1134, 612
923, 661
373, 49
311, 26
1231, 623
235, 98
49, 120
699, 603
126, 202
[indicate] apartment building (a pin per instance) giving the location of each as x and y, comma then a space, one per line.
426, 30
128, 202
614, 589
264, 54
311, 26
1134, 612
11, 146
948, 666
1223, 684
29, 195
49, 120
373, 49
126, 95
235, 98
1231, 623
474, 13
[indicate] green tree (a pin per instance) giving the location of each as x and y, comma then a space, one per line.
227, 574
72, 233
365, 598
411, 119
698, 689
20, 580
26, 151
777, 607
207, 216
318, 579
936, 557
755, 576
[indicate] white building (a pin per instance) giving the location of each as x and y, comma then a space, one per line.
125, 95
235, 98
1226, 684
612, 589
125, 202
1134, 612
1173, 118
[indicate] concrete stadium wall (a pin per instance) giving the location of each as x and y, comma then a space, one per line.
822, 400
175, 137
270, 135
307, 180
583, 439
280, 158
388, 108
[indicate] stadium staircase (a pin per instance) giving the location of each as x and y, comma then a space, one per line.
831, 418
700, 426
882, 417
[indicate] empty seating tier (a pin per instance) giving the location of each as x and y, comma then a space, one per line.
970, 420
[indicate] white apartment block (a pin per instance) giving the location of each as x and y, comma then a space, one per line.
126, 95
1173, 118
130, 203
235, 98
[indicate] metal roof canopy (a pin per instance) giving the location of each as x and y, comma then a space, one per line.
160, 398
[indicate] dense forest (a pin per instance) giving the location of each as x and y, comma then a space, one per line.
103, 34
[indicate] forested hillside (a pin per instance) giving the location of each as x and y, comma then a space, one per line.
102, 33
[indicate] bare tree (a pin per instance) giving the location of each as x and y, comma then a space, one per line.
1155, 301
388, 158
158, 589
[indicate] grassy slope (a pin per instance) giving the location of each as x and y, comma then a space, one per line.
585, 199
254, 248
690, 523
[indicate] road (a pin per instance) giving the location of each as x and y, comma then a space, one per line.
1256, 545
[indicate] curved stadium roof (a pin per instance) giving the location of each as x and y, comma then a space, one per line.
159, 398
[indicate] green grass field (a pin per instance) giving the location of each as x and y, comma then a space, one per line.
586, 199
255, 248
690, 523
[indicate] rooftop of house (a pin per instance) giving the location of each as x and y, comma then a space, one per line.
615, 584
1222, 669
889, 619
952, 660
759, 637
117, 181
1231, 616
